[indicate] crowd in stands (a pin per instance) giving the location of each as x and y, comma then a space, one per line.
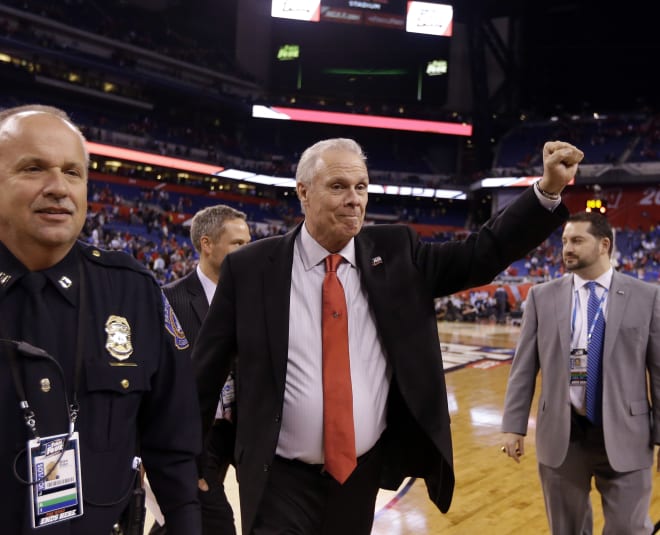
152, 30
211, 130
636, 253
264, 146
142, 224
149, 233
619, 138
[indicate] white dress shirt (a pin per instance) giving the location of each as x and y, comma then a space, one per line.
208, 285
209, 290
301, 434
580, 326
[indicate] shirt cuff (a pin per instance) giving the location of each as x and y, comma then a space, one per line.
548, 204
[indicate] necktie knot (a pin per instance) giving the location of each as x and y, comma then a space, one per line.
332, 262
591, 286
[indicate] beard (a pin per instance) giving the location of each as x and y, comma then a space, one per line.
574, 263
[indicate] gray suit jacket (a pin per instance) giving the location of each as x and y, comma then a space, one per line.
631, 417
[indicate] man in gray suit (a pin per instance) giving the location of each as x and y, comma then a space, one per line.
215, 232
612, 443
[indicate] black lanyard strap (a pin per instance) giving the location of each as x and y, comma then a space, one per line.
31, 351
74, 408
28, 413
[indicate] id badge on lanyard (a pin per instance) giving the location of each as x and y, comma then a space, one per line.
578, 367
54, 468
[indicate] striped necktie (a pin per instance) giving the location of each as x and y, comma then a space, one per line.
596, 336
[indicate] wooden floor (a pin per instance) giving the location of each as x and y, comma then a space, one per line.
493, 494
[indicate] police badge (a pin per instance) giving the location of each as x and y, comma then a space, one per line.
118, 343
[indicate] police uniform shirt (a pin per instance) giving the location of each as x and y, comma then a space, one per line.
139, 377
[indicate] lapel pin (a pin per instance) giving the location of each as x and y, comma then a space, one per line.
4, 278
376, 261
620, 292
65, 282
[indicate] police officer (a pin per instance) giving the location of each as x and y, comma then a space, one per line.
105, 376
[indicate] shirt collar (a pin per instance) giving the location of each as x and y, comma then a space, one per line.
312, 253
605, 280
64, 276
207, 284
10, 270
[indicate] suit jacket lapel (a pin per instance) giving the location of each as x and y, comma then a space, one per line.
276, 288
617, 299
562, 300
373, 267
198, 300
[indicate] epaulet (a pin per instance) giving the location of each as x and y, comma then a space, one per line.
114, 259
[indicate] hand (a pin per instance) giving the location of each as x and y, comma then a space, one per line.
203, 485
560, 164
513, 445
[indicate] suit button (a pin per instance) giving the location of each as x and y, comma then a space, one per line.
266, 467
277, 419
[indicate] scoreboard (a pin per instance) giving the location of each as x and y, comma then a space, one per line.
418, 17
384, 13
381, 50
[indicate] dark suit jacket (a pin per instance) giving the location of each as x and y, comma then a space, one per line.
188, 299
249, 318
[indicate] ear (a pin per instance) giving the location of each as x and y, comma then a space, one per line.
301, 191
605, 243
205, 242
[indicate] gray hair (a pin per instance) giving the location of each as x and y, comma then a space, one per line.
210, 222
9, 113
310, 162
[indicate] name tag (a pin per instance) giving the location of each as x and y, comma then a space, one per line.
54, 468
578, 367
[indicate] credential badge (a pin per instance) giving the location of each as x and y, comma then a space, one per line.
118, 343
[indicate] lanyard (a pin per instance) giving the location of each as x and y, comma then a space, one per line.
31, 351
72, 408
591, 327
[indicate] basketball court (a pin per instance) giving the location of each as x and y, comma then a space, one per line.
493, 495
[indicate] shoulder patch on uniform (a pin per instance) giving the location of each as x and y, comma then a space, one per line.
173, 326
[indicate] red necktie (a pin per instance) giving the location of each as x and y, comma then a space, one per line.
338, 430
